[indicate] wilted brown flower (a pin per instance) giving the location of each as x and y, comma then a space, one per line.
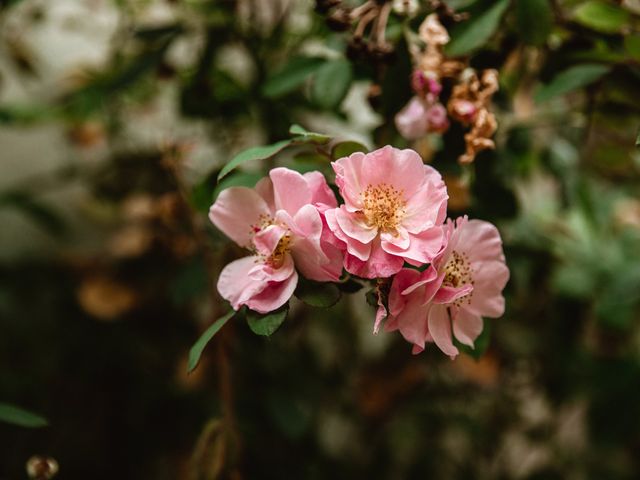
42, 468
104, 298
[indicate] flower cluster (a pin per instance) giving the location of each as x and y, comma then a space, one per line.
435, 280
469, 100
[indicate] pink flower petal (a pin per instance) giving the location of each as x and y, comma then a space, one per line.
349, 179
320, 191
412, 121
236, 286
412, 322
354, 226
264, 188
447, 294
291, 191
467, 327
422, 249
379, 264
235, 211
267, 239
274, 296
481, 240
429, 204
440, 329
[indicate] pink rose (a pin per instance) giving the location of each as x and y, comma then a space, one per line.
463, 284
394, 207
412, 121
281, 223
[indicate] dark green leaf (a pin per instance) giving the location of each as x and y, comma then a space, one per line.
254, 153
475, 32
331, 83
18, 416
196, 351
303, 135
534, 20
632, 46
238, 179
350, 286
317, 294
601, 16
267, 324
372, 297
291, 76
571, 79
344, 149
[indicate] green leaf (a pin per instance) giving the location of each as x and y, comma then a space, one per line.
632, 46
267, 324
344, 149
303, 135
291, 76
18, 416
254, 153
534, 20
474, 33
317, 294
331, 83
571, 79
238, 179
601, 16
196, 351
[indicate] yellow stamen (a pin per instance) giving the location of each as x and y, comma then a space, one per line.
383, 207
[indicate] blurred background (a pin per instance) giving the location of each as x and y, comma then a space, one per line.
115, 117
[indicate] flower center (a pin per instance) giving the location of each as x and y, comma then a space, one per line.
383, 207
276, 259
458, 272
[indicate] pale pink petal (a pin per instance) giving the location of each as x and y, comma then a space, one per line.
429, 204
400, 239
467, 327
274, 296
401, 169
412, 120
422, 249
264, 271
447, 294
267, 239
349, 179
490, 278
236, 286
354, 226
440, 329
320, 191
291, 191
412, 321
381, 314
236, 211
379, 264
264, 187
481, 240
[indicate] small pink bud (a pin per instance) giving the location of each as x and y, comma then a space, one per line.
437, 120
433, 86
418, 81
412, 121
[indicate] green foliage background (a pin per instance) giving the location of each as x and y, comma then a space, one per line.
103, 292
